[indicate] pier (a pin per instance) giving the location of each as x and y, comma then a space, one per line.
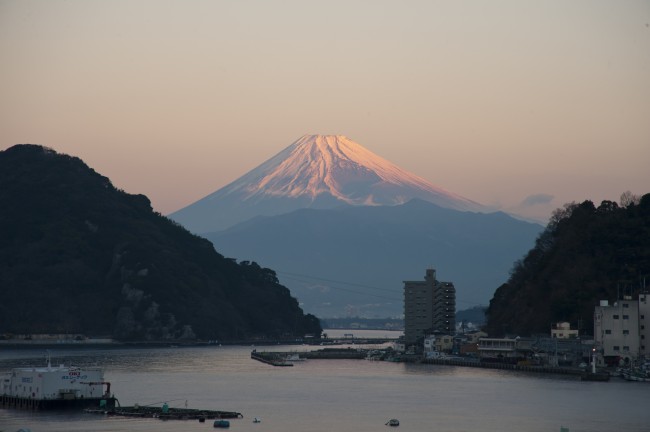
277, 358
272, 358
164, 413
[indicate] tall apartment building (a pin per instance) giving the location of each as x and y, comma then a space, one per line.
429, 306
616, 328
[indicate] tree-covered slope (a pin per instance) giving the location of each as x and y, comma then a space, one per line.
79, 256
586, 254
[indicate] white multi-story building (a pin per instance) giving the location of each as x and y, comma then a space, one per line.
616, 328
644, 324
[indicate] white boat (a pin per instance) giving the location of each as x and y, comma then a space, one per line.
55, 387
293, 358
257, 420
635, 375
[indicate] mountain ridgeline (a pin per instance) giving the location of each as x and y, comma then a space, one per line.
585, 254
352, 261
79, 256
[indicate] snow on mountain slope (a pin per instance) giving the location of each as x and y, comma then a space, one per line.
319, 171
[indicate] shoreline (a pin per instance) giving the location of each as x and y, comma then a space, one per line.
188, 344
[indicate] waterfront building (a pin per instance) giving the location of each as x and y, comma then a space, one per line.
498, 349
429, 308
563, 330
616, 329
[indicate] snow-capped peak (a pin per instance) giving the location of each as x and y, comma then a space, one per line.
336, 165
318, 171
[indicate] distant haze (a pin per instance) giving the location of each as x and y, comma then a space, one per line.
519, 106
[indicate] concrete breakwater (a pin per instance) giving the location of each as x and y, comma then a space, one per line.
281, 359
277, 358
504, 366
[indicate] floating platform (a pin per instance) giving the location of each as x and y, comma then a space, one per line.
167, 414
23, 403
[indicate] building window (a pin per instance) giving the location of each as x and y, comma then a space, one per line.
626, 332
616, 348
615, 316
642, 327
608, 332
626, 317
642, 316
626, 305
626, 348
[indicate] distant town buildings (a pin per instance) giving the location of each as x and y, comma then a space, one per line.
563, 330
429, 308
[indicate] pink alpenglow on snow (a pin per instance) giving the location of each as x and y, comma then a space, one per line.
316, 171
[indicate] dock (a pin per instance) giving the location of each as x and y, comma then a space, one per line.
276, 358
271, 358
166, 414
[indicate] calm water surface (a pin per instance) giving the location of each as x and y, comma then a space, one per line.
334, 395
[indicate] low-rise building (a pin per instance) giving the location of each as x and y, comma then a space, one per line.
474, 337
563, 330
498, 350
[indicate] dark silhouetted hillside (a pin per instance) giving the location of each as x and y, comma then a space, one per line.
79, 256
586, 254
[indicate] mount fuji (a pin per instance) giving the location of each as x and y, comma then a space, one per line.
343, 227
318, 172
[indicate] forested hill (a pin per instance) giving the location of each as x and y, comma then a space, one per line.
79, 256
586, 254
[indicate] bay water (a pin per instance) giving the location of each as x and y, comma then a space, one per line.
332, 395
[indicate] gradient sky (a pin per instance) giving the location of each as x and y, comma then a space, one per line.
523, 105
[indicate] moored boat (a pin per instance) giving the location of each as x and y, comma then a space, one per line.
635, 374
393, 422
293, 357
55, 387
221, 424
